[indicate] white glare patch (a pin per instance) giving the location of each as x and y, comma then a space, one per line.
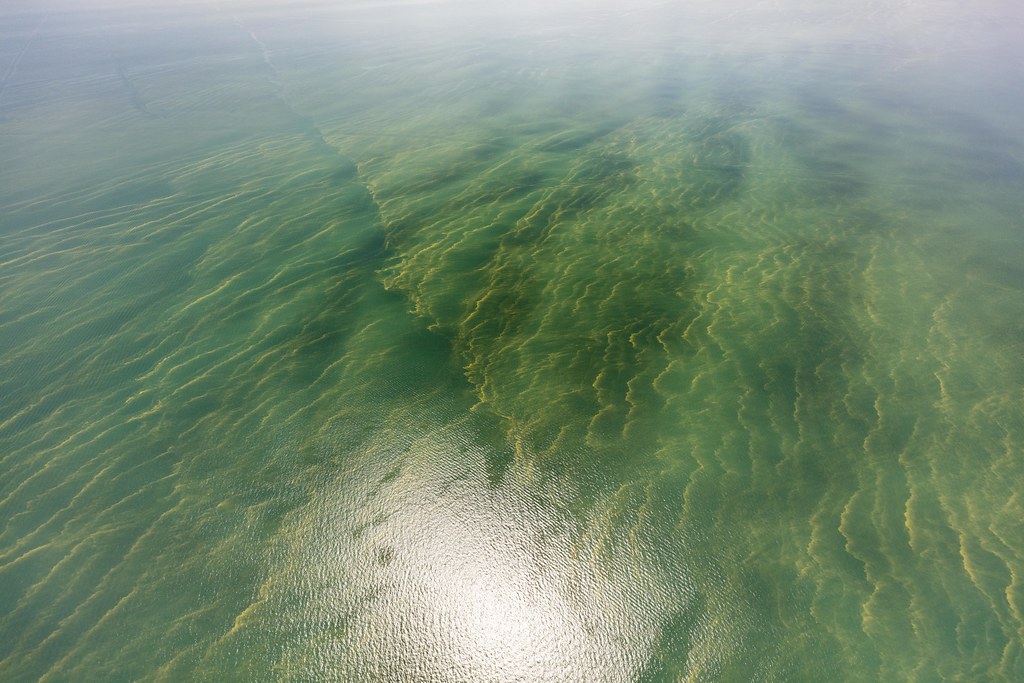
449, 579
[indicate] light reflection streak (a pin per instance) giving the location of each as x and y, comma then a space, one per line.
494, 593
478, 584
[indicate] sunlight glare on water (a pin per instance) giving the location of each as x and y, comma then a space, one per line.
468, 583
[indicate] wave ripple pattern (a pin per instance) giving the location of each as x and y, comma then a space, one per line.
452, 342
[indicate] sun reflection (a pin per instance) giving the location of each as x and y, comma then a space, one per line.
433, 575
497, 612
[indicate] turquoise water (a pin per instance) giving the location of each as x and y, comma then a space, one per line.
442, 341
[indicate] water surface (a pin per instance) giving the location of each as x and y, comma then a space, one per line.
445, 341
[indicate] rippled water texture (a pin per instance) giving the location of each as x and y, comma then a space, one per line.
436, 342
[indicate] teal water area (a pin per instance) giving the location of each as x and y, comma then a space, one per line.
448, 341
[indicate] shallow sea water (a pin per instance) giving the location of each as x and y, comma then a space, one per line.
449, 341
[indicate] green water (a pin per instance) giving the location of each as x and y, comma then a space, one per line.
447, 342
